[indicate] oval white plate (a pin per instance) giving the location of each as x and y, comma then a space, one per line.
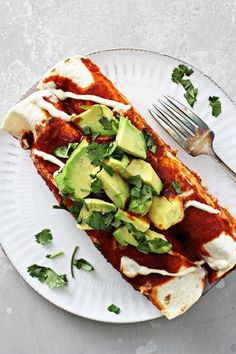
26, 203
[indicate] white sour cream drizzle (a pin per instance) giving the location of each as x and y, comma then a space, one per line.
131, 269
202, 206
50, 158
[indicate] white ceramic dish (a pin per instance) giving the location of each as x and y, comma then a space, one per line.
26, 203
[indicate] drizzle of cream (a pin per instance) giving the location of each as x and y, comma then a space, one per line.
131, 269
201, 206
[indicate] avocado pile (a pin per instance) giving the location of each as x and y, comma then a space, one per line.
113, 187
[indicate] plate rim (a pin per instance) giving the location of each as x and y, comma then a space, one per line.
116, 49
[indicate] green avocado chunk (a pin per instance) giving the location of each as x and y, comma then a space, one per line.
99, 119
91, 205
140, 223
75, 181
124, 237
115, 188
130, 139
146, 172
166, 212
118, 166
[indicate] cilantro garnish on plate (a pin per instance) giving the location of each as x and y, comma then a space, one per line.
65, 151
177, 187
178, 75
55, 255
215, 104
48, 276
114, 308
44, 237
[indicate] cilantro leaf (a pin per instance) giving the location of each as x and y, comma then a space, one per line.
118, 154
47, 275
44, 237
107, 168
72, 261
215, 104
98, 152
158, 245
149, 141
86, 130
96, 186
99, 221
178, 77
83, 264
55, 255
114, 308
106, 123
65, 151
136, 181
177, 187
141, 199
76, 208
66, 191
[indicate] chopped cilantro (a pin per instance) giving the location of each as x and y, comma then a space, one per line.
177, 187
141, 199
55, 255
149, 141
44, 237
99, 221
47, 275
98, 152
107, 168
106, 123
160, 246
83, 264
118, 154
215, 104
96, 186
114, 308
65, 151
86, 130
76, 208
67, 191
178, 77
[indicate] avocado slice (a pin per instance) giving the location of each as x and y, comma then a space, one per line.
124, 237
115, 188
91, 118
166, 212
140, 223
90, 205
146, 172
75, 181
118, 166
130, 139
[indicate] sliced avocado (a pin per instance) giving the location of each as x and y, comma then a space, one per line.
91, 205
75, 181
140, 223
130, 139
118, 166
146, 172
124, 237
166, 212
94, 117
115, 187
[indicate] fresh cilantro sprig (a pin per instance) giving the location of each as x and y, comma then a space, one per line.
178, 77
44, 237
48, 276
215, 104
141, 199
55, 255
177, 187
149, 141
114, 308
65, 151
96, 185
76, 208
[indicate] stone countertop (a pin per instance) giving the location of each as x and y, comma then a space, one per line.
33, 36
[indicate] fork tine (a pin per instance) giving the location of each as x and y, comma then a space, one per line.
176, 136
172, 122
182, 121
187, 112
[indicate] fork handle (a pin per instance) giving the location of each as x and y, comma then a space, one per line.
221, 163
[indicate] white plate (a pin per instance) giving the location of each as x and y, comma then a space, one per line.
26, 203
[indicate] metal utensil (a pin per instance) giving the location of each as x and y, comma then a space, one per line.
187, 129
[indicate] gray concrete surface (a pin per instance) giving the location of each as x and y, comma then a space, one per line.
36, 34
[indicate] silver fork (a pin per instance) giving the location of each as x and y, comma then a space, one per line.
187, 129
